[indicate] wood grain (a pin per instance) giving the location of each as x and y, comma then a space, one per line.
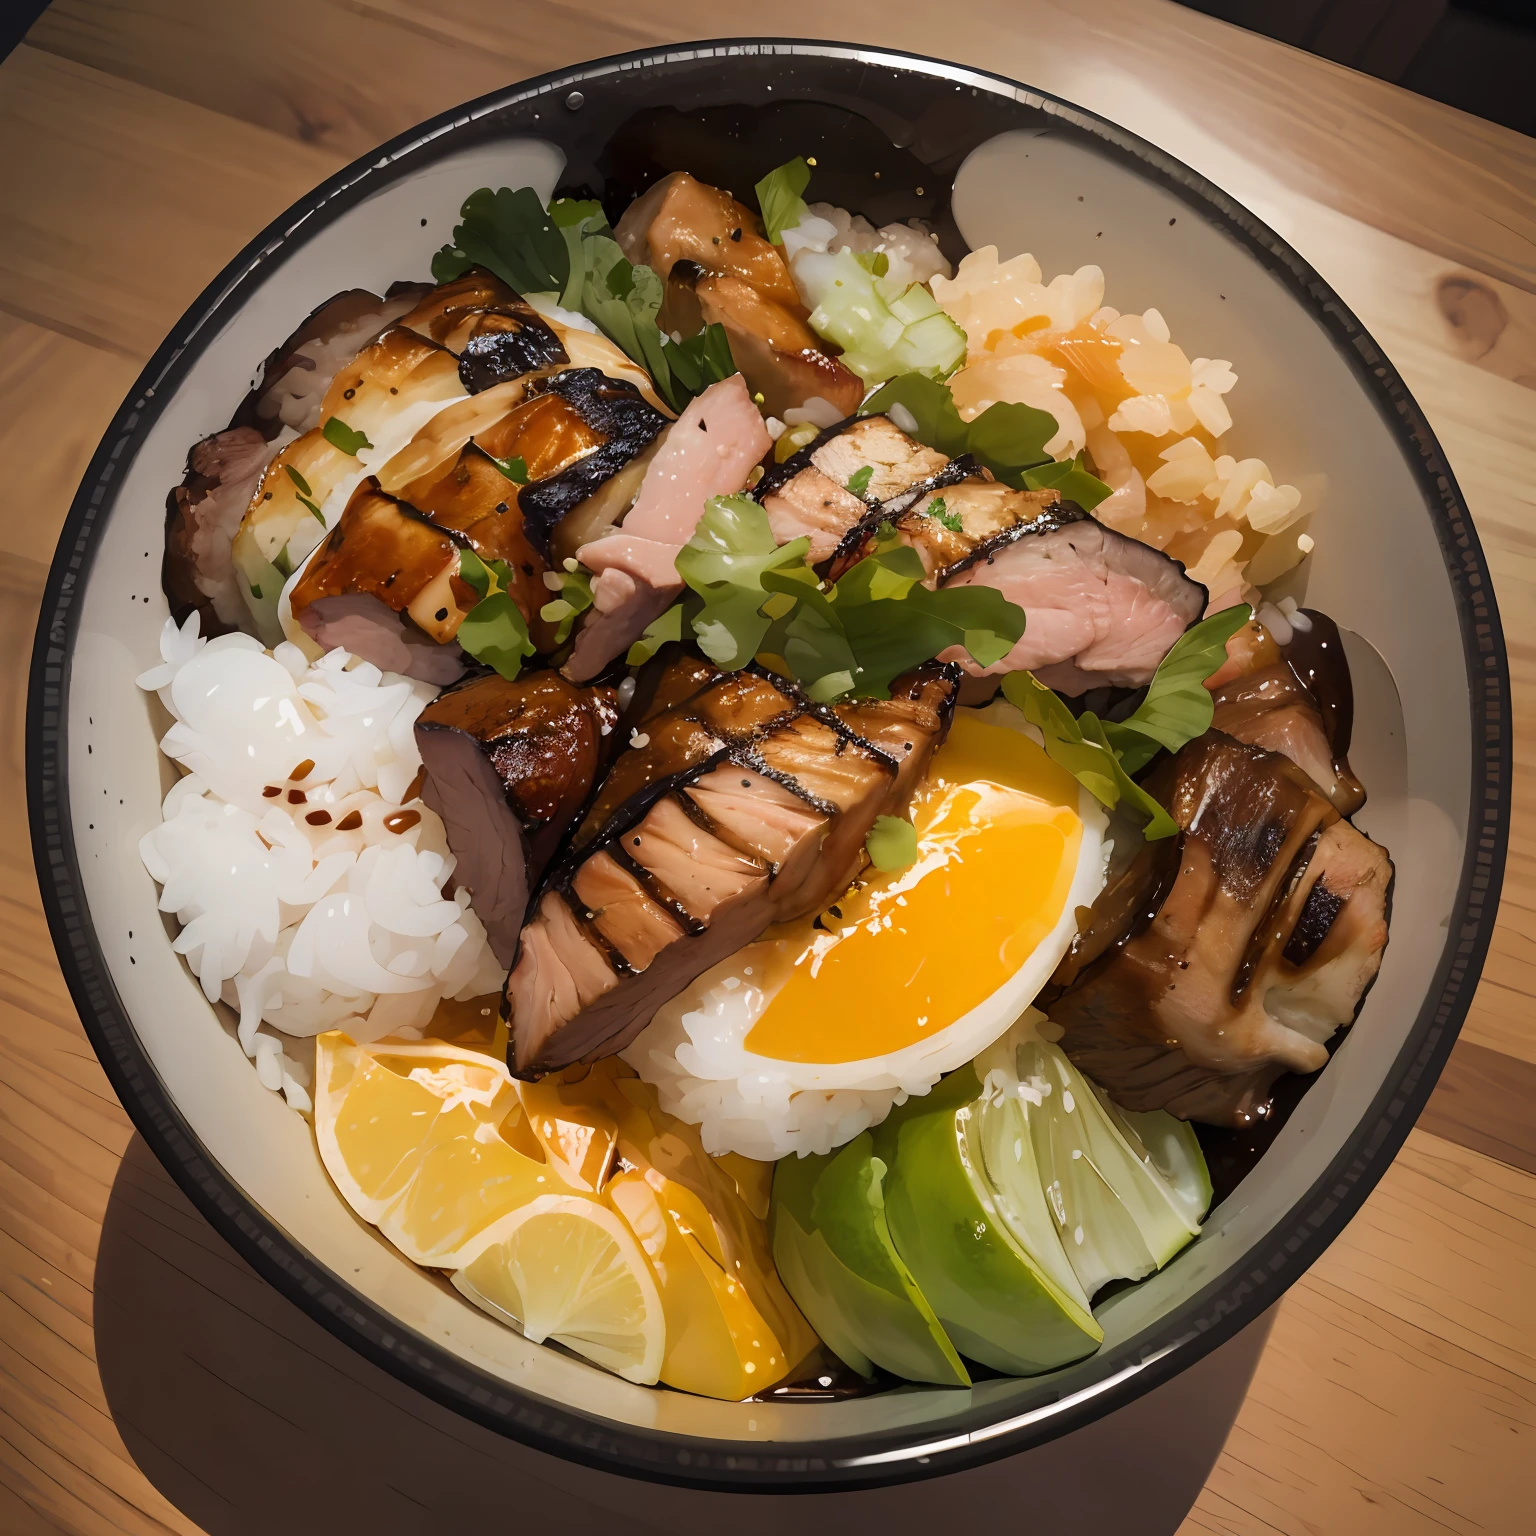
142, 142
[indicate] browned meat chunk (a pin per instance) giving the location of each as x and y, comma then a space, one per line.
203, 513
385, 585
1272, 709
741, 807
509, 766
718, 269
684, 219
495, 332
1215, 965
782, 358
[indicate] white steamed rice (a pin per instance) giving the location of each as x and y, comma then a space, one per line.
296, 924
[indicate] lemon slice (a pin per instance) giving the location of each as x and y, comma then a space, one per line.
566, 1268
426, 1141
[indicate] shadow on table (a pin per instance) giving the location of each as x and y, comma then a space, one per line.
250, 1418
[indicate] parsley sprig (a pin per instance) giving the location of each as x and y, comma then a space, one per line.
494, 630
749, 596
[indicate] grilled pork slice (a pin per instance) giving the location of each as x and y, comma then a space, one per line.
710, 450
509, 766
1103, 609
385, 583
616, 414
808, 494
496, 334
1219, 962
203, 513
391, 382
745, 806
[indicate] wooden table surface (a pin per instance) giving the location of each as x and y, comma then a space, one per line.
141, 144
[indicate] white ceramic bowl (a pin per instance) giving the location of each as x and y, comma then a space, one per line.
1397, 563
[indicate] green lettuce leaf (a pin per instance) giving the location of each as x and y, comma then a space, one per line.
1178, 705
1071, 479
1007, 439
781, 197
724, 563
930, 405
668, 626
1082, 748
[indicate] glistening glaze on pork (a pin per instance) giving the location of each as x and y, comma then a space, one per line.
720, 270
1232, 955
744, 806
203, 513
509, 766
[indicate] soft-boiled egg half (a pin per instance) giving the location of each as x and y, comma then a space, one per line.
808, 1036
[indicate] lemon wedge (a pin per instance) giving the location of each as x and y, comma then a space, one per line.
568, 1269
427, 1141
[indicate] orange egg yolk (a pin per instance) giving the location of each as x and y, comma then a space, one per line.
905, 954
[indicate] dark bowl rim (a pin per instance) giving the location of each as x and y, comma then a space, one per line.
1107, 1380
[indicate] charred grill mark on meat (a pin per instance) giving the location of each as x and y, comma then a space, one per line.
748, 804
624, 422
509, 766
1268, 929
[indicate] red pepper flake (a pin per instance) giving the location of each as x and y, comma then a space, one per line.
272, 791
297, 797
318, 818
302, 770
401, 821
350, 822
413, 789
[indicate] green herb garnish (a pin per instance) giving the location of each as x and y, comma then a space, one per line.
306, 496
339, 435
858, 481
516, 470
568, 251
669, 626
750, 597
781, 197
575, 597
494, 630
876, 263
1071, 480
255, 591
1081, 747
1178, 705
937, 510
892, 843
1007, 439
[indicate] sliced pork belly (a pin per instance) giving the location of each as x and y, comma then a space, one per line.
613, 411
384, 584
1102, 609
203, 513
496, 334
509, 766
745, 806
392, 376
710, 450
808, 495
1267, 922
